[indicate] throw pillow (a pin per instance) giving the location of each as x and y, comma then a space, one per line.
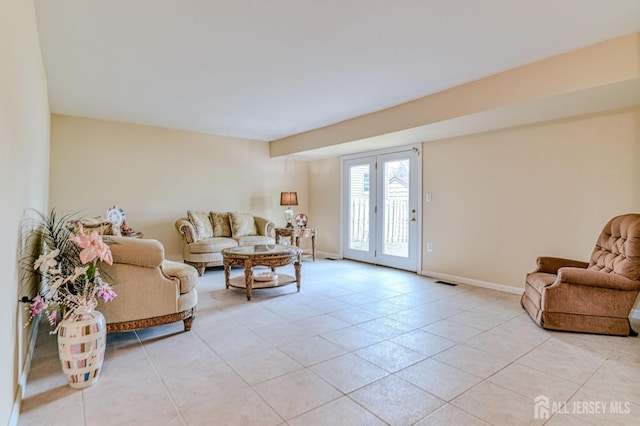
102, 226
201, 223
242, 224
221, 226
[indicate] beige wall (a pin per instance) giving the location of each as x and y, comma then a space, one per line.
324, 187
24, 174
157, 174
502, 198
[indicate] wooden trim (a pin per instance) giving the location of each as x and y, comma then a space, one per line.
187, 316
200, 266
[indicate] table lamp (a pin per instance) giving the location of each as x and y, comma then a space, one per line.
289, 199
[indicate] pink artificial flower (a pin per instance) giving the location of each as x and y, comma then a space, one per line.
36, 306
52, 317
106, 293
93, 247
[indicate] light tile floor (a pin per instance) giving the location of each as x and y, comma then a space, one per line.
358, 345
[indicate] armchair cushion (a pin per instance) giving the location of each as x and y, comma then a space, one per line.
618, 248
242, 224
201, 223
221, 226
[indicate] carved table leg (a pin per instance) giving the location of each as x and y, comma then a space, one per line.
296, 265
227, 267
248, 277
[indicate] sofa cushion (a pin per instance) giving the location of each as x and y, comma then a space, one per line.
201, 223
98, 224
212, 245
221, 226
253, 240
242, 224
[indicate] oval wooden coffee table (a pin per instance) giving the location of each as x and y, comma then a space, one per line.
271, 255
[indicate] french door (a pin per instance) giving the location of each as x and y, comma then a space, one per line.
381, 195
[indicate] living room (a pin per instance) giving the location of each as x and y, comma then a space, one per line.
503, 194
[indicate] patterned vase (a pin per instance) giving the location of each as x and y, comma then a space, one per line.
81, 344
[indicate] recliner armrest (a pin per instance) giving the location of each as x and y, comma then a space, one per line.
591, 278
551, 265
186, 229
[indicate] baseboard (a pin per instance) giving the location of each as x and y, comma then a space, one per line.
635, 313
328, 255
24, 375
475, 283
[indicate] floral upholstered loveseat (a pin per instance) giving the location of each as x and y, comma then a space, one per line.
205, 235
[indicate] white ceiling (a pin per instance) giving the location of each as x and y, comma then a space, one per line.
267, 69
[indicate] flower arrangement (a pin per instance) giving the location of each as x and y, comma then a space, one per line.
69, 270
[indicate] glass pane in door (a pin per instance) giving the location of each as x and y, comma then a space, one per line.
396, 208
359, 207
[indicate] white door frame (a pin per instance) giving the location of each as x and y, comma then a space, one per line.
416, 180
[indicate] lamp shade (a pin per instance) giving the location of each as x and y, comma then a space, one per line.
288, 198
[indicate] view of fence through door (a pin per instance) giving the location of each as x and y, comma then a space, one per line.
380, 209
396, 217
359, 207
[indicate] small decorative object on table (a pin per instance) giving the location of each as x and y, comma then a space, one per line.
301, 220
265, 276
116, 216
118, 219
72, 286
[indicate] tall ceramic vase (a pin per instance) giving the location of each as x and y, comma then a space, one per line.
81, 344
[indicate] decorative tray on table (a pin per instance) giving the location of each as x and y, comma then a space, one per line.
265, 276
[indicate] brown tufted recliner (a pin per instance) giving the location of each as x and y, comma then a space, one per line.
595, 297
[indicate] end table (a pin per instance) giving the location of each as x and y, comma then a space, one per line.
295, 234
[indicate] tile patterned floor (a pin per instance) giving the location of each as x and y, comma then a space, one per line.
359, 345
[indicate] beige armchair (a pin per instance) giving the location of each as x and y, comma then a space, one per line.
594, 297
151, 290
